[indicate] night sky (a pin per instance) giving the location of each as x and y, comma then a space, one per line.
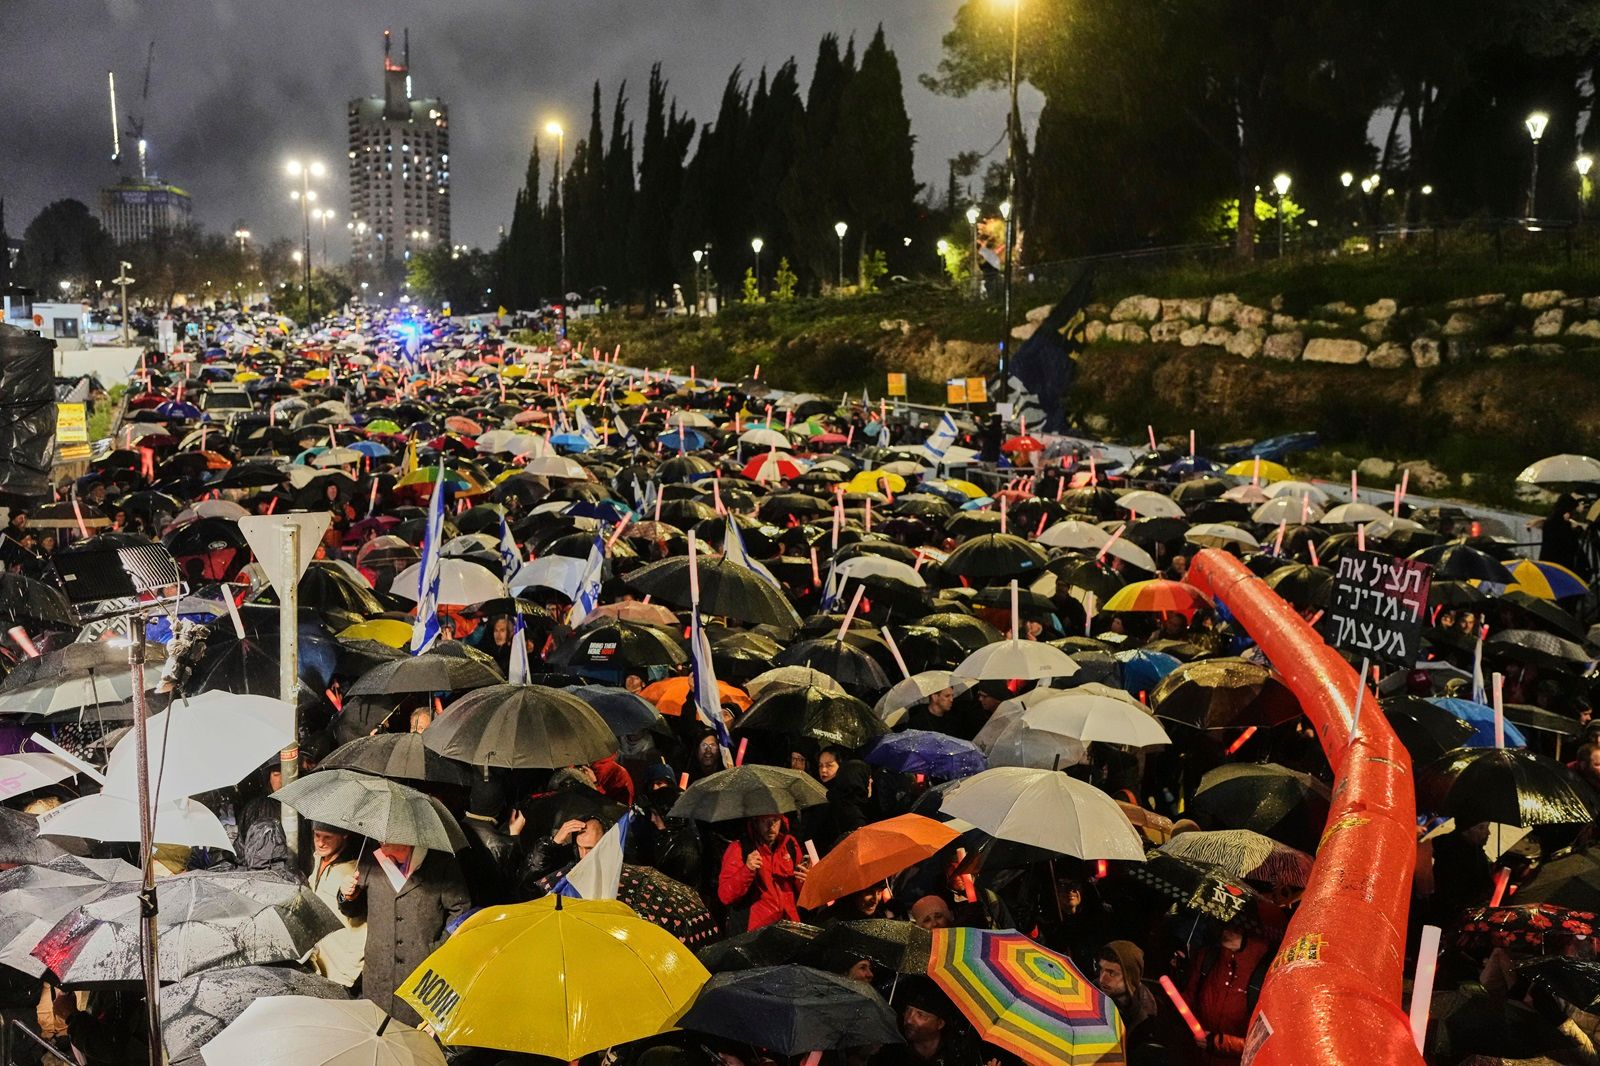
239, 86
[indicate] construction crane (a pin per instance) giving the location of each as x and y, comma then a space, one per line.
135, 122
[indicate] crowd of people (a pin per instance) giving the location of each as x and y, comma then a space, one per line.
795, 678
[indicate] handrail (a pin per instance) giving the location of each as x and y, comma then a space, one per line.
1332, 995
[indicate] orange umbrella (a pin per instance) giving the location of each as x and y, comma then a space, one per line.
670, 695
874, 853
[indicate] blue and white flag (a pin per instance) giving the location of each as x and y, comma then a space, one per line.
510, 554
627, 434
939, 441
734, 551
588, 592
707, 695
598, 874
426, 628
518, 671
586, 428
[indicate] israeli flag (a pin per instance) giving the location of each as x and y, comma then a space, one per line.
586, 428
518, 671
707, 696
940, 440
598, 874
425, 630
622, 428
588, 596
510, 554
830, 588
734, 551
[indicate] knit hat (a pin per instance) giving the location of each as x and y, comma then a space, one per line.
1131, 958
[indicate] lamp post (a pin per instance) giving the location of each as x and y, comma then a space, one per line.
942, 247
1280, 185
699, 286
241, 235
1584, 164
756, 244
122, 281
840, 229
306, 195
1008, 210
1535, 124
977, 273
555, 130
322, 215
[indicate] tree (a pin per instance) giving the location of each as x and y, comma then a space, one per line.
64, 242
811, 197
461, 279
618, 195
524, 275
667, 136
5, 249
875, 148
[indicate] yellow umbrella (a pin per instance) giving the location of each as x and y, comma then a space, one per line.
872, 481
515, 370
1270, 471
246, 375
317, 373
633, 399
558, 977
388, 631
972, 491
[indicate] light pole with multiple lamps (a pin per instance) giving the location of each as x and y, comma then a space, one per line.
555, 130
322, 215
1535, 124
840, 229
756, 244
306, 195
1280, 185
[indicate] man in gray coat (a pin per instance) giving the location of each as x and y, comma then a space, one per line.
408, 895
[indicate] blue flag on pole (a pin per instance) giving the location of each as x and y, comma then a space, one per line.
939, 441
426, 628
734, 551
518, 671
510, 554
707, 695
598, 874
588, 593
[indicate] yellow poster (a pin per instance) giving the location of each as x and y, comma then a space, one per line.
897, 384
977, 390
955, 391
72, 431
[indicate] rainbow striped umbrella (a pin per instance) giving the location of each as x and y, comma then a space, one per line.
1025, 998
1158, 597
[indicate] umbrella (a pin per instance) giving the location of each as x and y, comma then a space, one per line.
1505, 785
1158, 596
1104, 715
1223, 693
842, 660
1304, 587
624, 712
612, 644
914, 689
521, 726
792, 1010
791, 677
873, 853
1462, 562
433, 671
1007, 660
22, 599
1283, 804
923, 752
400, 756
1539, 649
197, 1008
1197, 887
31, 770
1573, 880
1244, 853
207, 918
903, 947
300, 1030
747, 792
74, 677
1425, 729
375, 807
1547, 581
672, 905
1045, 809
209, 741
771, 945
1148, 504
460, 582
673, 694
727, 588
1025, 998
815, 713
1480, 716
618, 979
34, 897
1527, 924
994, 555
109, 817
1561, 471
1143, 669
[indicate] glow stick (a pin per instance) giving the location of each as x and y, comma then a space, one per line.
1305, 507
1240, 741
1106, 547
868, 514
969, 888
1277, 542
813, 1058
1352, 486
372, 500
1152, 431
20, 635
716, 494
1101, 868
756, 375
77, 512
1061, 487
849, 616
1255, 472
1004, 501
683, 781
1089, 602
1094, 475
1044, 518
233, 611
816, 574
1183, 1008
694, 573
658, 505
894, 649
1422, 982
744, 742
1361, 538
617, 535
1191, 444
1502, 879
1498, 681
1400, 494
811, 852
1016, 616
1311, 544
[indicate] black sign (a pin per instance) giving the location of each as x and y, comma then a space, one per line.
1378, 606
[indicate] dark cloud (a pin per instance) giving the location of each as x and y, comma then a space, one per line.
241, 85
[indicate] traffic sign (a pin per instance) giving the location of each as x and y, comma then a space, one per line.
264, 535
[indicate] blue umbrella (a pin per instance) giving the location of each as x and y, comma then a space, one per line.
570, 442
625, 712
1192, 464
600, 511
686, 439
1480, 716
178, 409
1143, 670
921, 751
371, 448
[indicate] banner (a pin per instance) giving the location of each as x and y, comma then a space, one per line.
1378, 606
72, 432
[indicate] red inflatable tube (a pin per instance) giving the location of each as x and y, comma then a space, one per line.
1332, 996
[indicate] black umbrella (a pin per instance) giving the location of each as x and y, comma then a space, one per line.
741, 656
993, 556
1538, 649
827, 717
1223, 693
400, 756
898, 945
727, 588
1545, 615
746, 792
842, 660
672, 905
1197, 887
1571, 881
771, 945
613, 644
1304, 587
24, 600
624, 712
1425, 729
792, 1010
435, 670
1512, 786
1289, 806
521, 726
1462, 563
1086, 573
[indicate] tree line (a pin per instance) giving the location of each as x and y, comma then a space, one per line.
779, 162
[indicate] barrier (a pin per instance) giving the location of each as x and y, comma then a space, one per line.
1333, 994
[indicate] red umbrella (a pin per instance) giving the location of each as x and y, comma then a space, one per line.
1025, 443
772, 468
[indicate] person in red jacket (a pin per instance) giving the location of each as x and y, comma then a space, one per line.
1224, 984
761, 875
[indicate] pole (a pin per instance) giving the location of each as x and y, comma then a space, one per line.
1012, 124
1280, 225
305, 224
1533, 185
561, 195
977, 270
841, 261
150, 959
288, 671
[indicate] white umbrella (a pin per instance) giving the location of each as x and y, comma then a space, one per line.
1096, 716
1035, 749
1147, 504
864, 566
1074, 534
556, 466
460, 582
31, 770
1296, 489
1214, 534
762, 437
1285, 509
559, 572
1011, 710
115, 818
1387, 526
792, 677
1006, 660
213, 740
34, 898
76, 695
468, 543
1128, 551
1247, 493
1349, 514
529, 444
1046, 809
340, 456
1563, 469
210, 509
916, 688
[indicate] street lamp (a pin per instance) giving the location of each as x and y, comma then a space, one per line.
1280, 185
1584, 164
241, 235
699, 287
1535, 123
555, 130
306, 197
323, 214
756, 244
841, 229
977, 274
942, 246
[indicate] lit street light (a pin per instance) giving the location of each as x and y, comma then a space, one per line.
1584, 164
841, 229
555, 130
241, 235
977, 274
1280, 185
1535, 124
306, 197
756, 244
